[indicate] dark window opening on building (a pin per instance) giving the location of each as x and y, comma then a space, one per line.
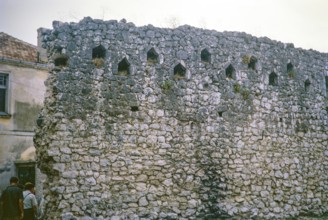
252, 63
61, 61
307, 84
152, 56
124, 67
205, 56
230, 72
134, 108
179, 71
273, 79
3, 92
290, 67
25, 172
98, 52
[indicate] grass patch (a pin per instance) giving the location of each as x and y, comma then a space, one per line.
236, 88
98, 62
245, 94
243, 91
292, 74
167, 85
246, 59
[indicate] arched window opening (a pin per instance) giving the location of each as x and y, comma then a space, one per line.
205, 56
98, 52
180, 71
124, 67
307, 84
230, 72
98, 56
252, 63
273, 79
61, 61
290, 70
152, 56
290, 67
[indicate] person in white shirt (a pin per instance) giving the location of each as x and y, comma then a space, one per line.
30, 203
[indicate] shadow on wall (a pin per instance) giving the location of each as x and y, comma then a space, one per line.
25, 116
22, 151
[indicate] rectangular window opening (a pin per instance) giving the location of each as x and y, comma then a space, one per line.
3, 92
25, 171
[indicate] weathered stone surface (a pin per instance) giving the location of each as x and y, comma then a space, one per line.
152, 129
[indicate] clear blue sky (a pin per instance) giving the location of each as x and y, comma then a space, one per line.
302, 22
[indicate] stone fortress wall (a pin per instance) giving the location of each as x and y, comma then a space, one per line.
185, 123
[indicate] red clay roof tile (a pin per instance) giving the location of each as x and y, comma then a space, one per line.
14, 48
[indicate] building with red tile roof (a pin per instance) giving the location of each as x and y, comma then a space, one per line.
22, 91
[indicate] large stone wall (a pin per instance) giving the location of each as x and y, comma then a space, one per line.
185, 123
